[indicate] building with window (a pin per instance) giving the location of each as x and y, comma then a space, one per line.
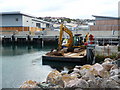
104, 23
17, 21
106, 29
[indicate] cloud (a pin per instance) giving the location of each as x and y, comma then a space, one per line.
62, 8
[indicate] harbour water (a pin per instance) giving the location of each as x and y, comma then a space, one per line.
23, 62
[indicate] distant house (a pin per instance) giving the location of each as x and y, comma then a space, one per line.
104, 23
17, 21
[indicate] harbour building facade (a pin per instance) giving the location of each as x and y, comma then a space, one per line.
17, 21
106, 29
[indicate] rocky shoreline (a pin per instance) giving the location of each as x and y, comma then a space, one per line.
105, 75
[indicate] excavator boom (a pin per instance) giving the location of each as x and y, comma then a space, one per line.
65, 29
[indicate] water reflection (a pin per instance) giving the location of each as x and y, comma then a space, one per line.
60, 65
24, 62
12, 49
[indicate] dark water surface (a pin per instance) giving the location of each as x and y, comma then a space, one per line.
23, 62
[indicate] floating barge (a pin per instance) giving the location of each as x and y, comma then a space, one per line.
83, 57
80, 57
64, 59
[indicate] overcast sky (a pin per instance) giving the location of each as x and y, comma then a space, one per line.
62, 8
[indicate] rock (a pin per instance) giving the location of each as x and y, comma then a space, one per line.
76, 75
96, 68
108, 60
114, 67
78, 67
29, 84
48, 85
84, 69
104, 74
114, 72
98, 81
92, 84
107, 66
43, 85
71, 83
67, 77
116, 78
89, 76
78, 83
70, 71
109, 84
76, 70
55, 77
64, 72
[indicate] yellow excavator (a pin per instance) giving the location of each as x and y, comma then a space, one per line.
73, 41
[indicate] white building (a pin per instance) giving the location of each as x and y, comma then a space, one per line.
17, 21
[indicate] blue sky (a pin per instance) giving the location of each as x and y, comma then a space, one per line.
62, 8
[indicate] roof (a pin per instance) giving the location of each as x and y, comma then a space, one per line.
19, 13
35, 19
108, 17
15, 13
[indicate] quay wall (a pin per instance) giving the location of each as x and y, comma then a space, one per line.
106, 50
51, 35
84, 32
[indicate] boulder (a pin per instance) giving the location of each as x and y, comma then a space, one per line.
43, 85
114, 72
76, 75
98, 81
96, 68
92, 84
29, 84
84, 69
114, 67
78, 83
67, 77
107, 66
109, 84
104, 74
55, 77
64, 72
78, 67
89, 76
108, 60
116, 78
76, 70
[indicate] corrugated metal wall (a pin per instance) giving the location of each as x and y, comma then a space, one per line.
107, 22
106, 25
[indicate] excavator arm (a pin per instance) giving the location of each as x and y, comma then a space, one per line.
70, 41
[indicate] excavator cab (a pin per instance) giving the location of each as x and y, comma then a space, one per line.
78, 40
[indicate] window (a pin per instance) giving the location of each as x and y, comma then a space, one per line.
38, 25
16, 19
47, 25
